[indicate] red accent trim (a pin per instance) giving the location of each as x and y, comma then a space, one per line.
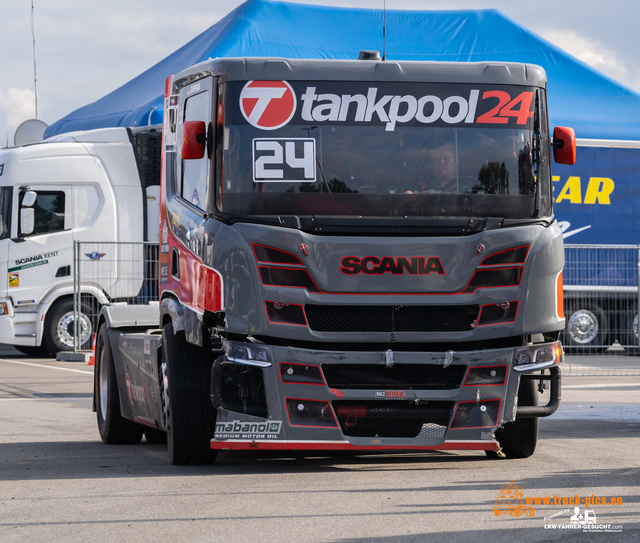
324, 382
306, 323
254, 245
203, 290
297, 446
496, 322
335, 391
335, 419
482, 264
489, 385
472, 427
167, 90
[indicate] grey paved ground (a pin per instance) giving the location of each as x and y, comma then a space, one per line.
58, 482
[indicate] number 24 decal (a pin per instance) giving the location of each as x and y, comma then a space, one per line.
519, 107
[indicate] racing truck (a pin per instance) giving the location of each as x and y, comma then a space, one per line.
355, 255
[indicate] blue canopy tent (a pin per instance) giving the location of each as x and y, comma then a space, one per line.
594, 105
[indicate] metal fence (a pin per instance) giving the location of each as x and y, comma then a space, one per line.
110, 273
601, 301
601, 298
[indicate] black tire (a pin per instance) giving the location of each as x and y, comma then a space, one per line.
112, 426
35, 352
190, 417
587, 328
153, 435
59, 327
518, 439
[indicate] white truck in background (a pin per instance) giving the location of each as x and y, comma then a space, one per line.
93, 186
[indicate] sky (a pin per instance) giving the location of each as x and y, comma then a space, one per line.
85, 49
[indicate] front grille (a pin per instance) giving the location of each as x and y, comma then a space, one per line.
241, 389
386, 318
393, 418
397, 377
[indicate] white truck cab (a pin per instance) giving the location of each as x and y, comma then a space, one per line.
80, 186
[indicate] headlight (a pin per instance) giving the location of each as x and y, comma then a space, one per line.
251, 355
537, 357
4, 310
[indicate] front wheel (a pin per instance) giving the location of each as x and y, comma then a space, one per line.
112, 426
188, 411
518, 439
60, 327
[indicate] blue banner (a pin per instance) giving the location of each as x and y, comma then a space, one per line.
597, 201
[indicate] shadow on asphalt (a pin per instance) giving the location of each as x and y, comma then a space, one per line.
81, 460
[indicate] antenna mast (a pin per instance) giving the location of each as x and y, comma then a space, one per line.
33, 34
384, 29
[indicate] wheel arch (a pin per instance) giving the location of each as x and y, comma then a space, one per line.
171, 311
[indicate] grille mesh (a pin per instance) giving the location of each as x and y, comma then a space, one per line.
385, 318
395, 418
398, 377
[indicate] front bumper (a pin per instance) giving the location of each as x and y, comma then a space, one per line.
286, 398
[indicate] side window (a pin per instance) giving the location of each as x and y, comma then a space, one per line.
49, 210
6, 195
195, 173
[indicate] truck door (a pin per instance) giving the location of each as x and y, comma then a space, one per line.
188, 196
39, 260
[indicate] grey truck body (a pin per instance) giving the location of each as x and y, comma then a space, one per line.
340, 303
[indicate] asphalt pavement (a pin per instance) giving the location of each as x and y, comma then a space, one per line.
59, 482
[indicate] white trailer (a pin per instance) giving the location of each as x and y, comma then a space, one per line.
91, 186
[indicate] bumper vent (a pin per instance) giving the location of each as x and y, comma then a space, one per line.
384, 318
241, 389
398, 377
393, 418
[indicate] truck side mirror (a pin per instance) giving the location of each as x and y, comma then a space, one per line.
194, 138
27, 213
27, 220
29, 198
564, 145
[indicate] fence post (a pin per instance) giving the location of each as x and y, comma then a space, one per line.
76, 298
633, 320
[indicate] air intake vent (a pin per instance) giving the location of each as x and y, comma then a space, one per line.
398, 377
393, 418
382, 318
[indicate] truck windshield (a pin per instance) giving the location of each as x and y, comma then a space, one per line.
382, 150
5, 211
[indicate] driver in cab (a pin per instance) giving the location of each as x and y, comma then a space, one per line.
443, 165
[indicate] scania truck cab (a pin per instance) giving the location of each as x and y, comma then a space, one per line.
354, 255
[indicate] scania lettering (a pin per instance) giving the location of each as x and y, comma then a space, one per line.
90, 186
371, 265
355, 255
